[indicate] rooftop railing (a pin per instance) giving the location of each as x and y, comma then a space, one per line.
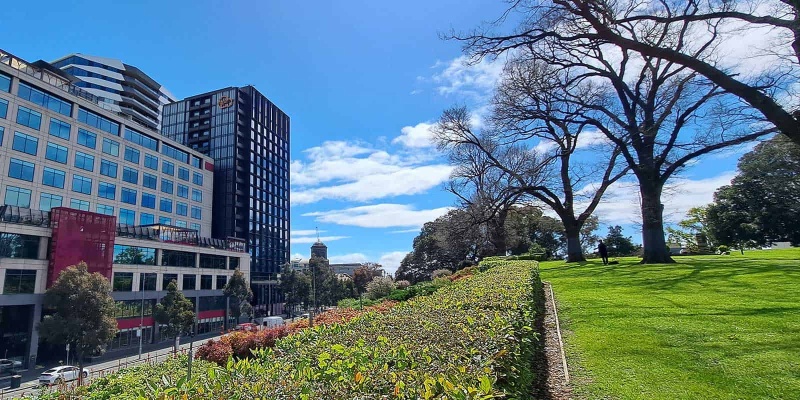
156, 232
61, 83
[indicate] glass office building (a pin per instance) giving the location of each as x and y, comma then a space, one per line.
248, 138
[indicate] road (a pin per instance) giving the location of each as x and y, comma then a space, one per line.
102, 368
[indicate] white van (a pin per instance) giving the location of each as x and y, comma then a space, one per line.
271, 322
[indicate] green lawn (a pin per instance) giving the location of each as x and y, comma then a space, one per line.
709, 327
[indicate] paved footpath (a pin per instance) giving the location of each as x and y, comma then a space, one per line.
158, 352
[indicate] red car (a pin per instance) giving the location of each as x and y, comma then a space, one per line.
247, 327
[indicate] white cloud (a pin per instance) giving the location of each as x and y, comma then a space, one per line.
412, 230
348, 258
379, 216
460, 78
298, 255
351, 171
407, 181
313, 239
391, 261
621, 202
419, 135
305, 232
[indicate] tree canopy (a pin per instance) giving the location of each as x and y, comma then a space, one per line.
175, 311
83, 312
762, 203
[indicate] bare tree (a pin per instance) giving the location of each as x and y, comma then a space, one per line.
485, 191
661, 115
700, 28
538, 101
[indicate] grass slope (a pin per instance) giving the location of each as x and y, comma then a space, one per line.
721, 327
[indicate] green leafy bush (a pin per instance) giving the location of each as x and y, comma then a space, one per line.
472, 339
723, 248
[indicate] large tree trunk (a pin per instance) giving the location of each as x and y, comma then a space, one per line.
574, 249
655, 245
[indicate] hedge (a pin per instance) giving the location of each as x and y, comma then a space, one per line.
473, 339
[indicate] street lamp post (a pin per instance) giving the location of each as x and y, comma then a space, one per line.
141, 319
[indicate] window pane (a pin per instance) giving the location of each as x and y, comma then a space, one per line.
111, 147
18, 197
107, 190
123, 281
130, 175
48, 201
148, 200
166, 205
86, 138
59, 128
174, 258
13, 245
44, 99
84, 161
127, 217
149, 181
81, 184
79, 204
92, 119
19, 169
25, 143
19, 281
31, 119
108, 168
104, 209
53, 177
56, 153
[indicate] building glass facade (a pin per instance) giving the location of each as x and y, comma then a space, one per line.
248, 138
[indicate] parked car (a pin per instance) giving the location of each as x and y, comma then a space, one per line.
7, 365
59, 375
247, 327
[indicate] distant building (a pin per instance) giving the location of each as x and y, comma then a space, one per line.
119, 87
319, 249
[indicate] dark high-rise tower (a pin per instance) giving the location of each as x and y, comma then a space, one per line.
248, 137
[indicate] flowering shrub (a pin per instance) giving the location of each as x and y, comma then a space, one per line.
380, 286
441, 273
402, 284
472, 339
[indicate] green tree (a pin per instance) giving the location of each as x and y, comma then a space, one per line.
688, 229
176, 312
238, 291
617, 244
731, 222
323, 282
762, 203
83, 312
295, 286
364, 274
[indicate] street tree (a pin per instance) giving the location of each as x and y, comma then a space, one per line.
295, 286
364, 274
323, 282
693, 35
238, 291
83, 312
176, 313
659, 114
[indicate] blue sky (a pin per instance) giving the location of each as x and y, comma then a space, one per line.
361, 81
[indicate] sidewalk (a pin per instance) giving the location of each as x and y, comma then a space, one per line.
113, 360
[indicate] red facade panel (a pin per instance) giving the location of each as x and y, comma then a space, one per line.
210, 314
81, 236
209, 166
129, 323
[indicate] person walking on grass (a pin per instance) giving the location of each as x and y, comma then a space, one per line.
601, 248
